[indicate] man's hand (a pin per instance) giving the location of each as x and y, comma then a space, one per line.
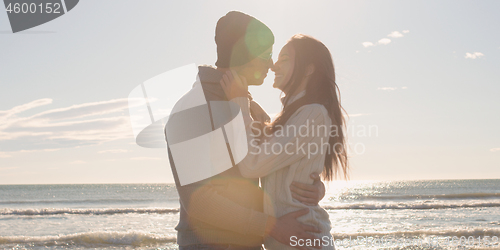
234, 85
309, 194
286, 226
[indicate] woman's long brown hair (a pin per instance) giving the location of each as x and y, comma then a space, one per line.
321, 89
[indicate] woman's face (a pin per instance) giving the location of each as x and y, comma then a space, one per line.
283, 68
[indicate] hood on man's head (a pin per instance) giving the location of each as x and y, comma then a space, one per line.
240, 38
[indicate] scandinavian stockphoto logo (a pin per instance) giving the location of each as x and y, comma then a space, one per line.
205, 138
26, 14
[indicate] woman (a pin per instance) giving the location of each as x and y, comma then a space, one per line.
306, 136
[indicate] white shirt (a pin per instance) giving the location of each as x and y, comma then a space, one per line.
309, 125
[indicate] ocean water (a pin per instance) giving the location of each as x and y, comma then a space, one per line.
428, 214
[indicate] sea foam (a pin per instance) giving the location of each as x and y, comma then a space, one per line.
92, 239
93, 211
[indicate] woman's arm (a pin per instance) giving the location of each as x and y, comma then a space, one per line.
234, 86
282, 148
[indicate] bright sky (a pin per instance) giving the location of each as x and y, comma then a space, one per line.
421, 72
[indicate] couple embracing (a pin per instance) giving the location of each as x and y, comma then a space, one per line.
231, 210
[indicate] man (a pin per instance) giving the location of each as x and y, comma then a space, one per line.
225, 211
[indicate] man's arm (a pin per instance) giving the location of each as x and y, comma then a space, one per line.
201, 201
308, 194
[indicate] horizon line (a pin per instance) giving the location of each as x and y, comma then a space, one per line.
135, 183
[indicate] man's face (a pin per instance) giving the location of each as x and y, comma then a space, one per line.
256, 70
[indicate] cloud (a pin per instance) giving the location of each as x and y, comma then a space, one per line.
21, 108
145, 158
4, 155
23, 173
387, 88
367, 44
84, 110
384, 41
77, 162
474, 55
78, 125
395, 34
391, 88
7, 168
495, 149
356, 115
113, 151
